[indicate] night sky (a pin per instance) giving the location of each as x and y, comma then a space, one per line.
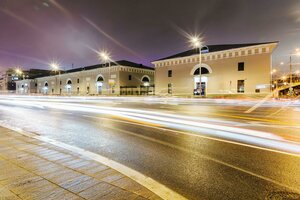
35, 32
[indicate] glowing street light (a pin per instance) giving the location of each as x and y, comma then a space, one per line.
195, 41
19, 72
104, 55
54, 66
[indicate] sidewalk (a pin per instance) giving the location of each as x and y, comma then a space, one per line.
31, 169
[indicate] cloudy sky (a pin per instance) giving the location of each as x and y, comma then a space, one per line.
35, 32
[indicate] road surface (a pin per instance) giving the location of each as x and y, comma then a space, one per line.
199, 148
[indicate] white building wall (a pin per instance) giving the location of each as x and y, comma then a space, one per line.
88, 81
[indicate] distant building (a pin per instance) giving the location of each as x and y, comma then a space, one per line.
115, 78
26, 83
8, 80
225, 69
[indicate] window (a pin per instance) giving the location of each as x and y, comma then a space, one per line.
129, 77
241, 66
170, 88
257, 90
169, 73
60, 82
78, 89
78, 80
241, 86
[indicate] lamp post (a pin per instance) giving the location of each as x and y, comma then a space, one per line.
197, 43
272, 72
55, 67
105, 56
297, 53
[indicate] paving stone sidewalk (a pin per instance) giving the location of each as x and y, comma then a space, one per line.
31, 169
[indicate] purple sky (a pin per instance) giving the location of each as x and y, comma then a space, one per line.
35, 32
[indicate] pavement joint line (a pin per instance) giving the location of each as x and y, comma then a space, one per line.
32, 172
157, 188
42, 176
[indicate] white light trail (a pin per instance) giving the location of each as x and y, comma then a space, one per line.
218, 128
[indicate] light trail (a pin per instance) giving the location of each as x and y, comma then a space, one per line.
196, 125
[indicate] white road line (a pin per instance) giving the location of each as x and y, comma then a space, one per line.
203, 156
149, 183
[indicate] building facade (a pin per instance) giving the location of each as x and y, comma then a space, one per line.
8, 80
22, 82
26, 86
225, 69
118, 78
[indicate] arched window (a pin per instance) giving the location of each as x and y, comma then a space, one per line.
203, 71
69, 82
145, 79
46, 84
100, 79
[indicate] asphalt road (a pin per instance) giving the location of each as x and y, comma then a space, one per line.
202, 149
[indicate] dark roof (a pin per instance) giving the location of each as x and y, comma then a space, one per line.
213, 48
37, 73
103, 65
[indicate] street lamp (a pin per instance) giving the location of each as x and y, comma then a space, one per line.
19, 72
272, 86
196, 42
55, 67
105, 56
297, 53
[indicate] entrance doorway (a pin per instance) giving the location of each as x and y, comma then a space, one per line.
200, 91
45, 88
99, 84
69, 87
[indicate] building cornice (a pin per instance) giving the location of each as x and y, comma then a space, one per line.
112, 69
224, 54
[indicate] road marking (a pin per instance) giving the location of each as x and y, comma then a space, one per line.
205, 157
259, 103
282, 107
159, 189
256, 119
135, 121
